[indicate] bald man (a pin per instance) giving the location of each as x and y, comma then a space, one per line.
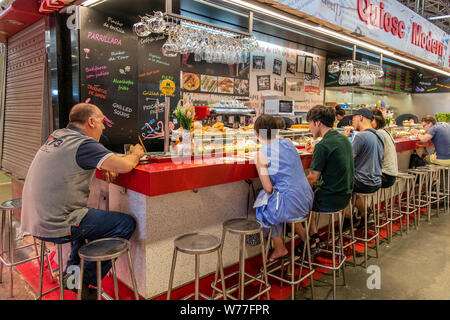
56, 190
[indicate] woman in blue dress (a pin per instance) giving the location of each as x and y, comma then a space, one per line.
286, 195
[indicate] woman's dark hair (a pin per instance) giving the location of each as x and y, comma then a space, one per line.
339, 111
378, 117
326, 115
281, 123
267, 124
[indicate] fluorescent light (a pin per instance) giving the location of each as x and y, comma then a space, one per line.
439, 17
91, 3
282, 17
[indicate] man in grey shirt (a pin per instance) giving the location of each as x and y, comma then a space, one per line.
368, 146
56, 189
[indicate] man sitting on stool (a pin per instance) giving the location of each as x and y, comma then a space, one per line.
332, 167
439, 134
56, 190
368, 146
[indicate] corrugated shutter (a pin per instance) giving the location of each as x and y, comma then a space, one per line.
24, 99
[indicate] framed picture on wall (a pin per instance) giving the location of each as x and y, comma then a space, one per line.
278, 85
300, 64
290, 67
277, 66
259, 62
263, 82
308, 65
294, 88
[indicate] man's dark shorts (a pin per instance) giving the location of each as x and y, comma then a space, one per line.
387, 180
318, 207
362, 188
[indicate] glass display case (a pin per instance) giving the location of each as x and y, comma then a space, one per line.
219, 139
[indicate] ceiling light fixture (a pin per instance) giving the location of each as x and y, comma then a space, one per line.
439, 17
91, 3
362, 44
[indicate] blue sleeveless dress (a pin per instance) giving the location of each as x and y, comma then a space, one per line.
292, 198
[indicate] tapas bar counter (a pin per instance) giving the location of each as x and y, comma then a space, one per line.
169, 199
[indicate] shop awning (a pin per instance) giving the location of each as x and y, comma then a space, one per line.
19, 15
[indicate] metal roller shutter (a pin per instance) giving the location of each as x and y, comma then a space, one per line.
24, 99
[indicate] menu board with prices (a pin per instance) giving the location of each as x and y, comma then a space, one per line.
108, 74
121, 74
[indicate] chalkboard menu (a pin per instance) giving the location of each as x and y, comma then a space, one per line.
153, 68
120, 73
108, 73
428, 84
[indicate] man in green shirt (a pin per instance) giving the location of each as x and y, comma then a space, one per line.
332, 167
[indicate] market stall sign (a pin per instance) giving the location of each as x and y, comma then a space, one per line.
388, 22
379, 17
167, 87
48, 6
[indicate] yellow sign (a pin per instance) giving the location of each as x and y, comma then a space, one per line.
167, 87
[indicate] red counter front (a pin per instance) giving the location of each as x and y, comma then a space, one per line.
169, 177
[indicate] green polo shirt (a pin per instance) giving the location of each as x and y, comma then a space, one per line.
333, 158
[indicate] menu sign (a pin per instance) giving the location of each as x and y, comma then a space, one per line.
155, 73
215, 78
395, 78
108, 75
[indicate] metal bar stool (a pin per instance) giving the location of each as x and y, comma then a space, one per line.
60, 271
438, 191
350, 236
243, 227
104, 250
7, 208
446, 187
276, 265
196, 244
386, 214
336, 245
394, 214
409, 183
422, 199
374, 197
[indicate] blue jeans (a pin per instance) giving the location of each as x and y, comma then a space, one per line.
96, 224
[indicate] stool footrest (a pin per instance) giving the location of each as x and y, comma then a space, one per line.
236, 286
8, 264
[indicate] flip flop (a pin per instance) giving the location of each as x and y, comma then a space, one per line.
278, 258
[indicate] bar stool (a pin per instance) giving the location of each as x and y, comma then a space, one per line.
438, 193
394, 214
350, 236
243, 227
335, 216
409, 182
60, 271
276, 265
7, 208
374, 197
446, 186
386, 214
103, 250
422, 199
196, 244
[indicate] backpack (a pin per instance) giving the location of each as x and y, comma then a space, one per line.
416, 161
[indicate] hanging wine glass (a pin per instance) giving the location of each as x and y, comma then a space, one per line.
157, 23
170, 49
141, 29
